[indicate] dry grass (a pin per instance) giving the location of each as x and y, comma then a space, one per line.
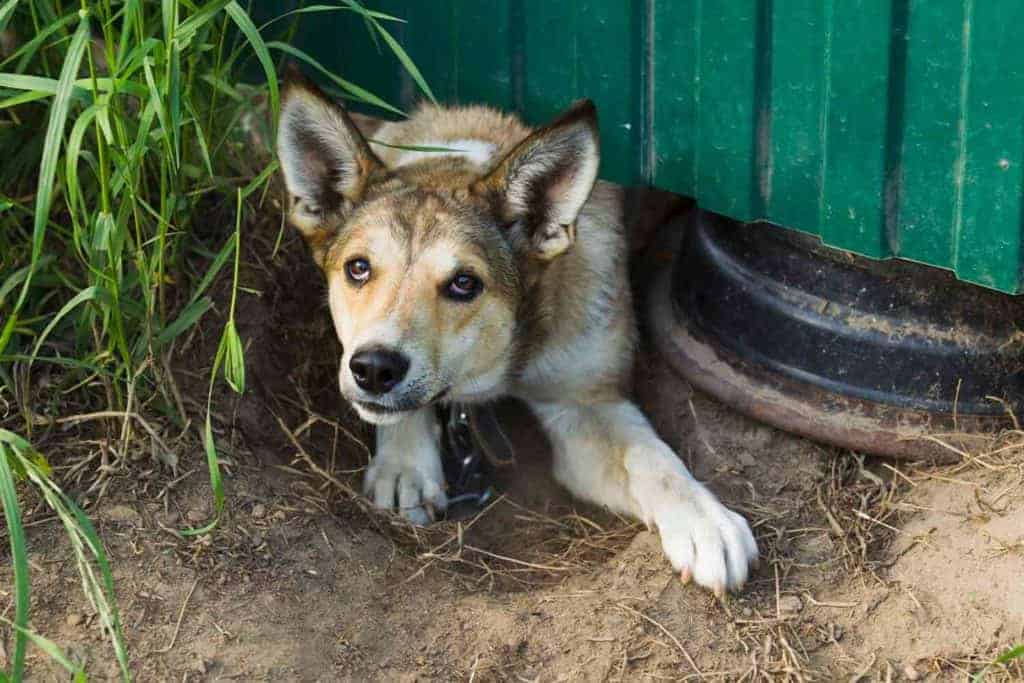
558, 545
861, 503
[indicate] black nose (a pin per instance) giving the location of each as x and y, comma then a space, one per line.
377, 371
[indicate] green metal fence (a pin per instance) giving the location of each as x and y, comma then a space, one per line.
886, 127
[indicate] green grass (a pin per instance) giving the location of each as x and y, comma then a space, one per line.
1011, 655
120, 120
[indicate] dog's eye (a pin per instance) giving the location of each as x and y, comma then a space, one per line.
463, 287
358, 270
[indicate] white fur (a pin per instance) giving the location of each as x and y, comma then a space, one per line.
605, 449
589, 355
478, 152
609, 454
407, 467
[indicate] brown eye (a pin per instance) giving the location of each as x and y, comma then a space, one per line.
463, 287
358, 270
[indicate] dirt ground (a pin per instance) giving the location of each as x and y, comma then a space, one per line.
872, 570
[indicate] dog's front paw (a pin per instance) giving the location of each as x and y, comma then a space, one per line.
705, 540
702, 538
414, 484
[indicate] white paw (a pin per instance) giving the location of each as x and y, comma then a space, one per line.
702, 538
411, 483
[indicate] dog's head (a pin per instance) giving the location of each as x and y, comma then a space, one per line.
427, 263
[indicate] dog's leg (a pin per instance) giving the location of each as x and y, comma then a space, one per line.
406, 471
609, 454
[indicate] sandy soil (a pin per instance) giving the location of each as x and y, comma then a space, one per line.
872, 571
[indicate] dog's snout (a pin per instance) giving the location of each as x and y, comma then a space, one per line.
378, 370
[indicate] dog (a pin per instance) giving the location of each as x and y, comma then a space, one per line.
469, 257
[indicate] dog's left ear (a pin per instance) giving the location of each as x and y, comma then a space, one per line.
326, 162
543, 183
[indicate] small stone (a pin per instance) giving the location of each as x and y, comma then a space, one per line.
747, 612
121, 513
169, 518
790, 604
195, 515
910, 673
74, 619
259, 511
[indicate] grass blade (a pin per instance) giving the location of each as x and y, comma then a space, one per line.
188, 317
212, 460
24, 82
23, 98
211, 272
187, 29
1005, 658
112, 615
417, 148
87, 549
331, 8
48, 165
398, 50
161, 111
204, 149
259, 180
213, 463
87, 294
51, 650
29, 49
80, 88
1010, 655
19, 556
351, 88
72, 157
252, 34
18, 276
406, 61
6, 10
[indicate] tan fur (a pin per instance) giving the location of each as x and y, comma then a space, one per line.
431, 122
413, 257
553, 324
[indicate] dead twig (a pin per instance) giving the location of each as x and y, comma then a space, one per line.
181, 616
686, 655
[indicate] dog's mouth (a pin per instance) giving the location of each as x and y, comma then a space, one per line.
382, 409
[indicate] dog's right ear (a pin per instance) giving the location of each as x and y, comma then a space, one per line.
326, 162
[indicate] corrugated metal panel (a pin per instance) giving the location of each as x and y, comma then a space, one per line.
887, 127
